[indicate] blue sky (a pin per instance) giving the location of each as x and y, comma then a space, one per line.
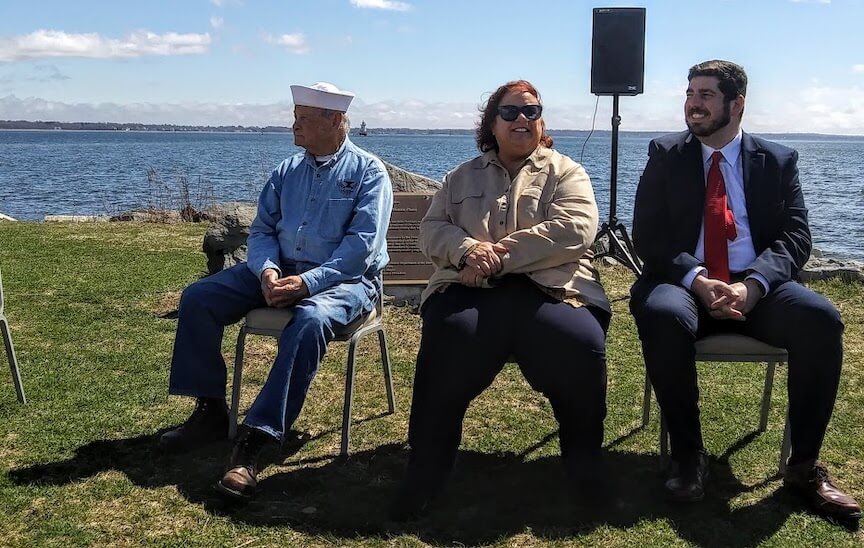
417, 63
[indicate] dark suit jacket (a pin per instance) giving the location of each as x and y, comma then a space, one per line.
670, 204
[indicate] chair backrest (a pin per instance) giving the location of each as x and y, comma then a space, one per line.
379, 306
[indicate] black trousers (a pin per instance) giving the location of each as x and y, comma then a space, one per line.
468, 335
806, 324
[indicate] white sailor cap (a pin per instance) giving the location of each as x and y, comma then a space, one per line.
322, 95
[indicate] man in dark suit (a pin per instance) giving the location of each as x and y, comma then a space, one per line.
721, 226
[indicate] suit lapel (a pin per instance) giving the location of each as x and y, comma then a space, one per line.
693, 187
753, 163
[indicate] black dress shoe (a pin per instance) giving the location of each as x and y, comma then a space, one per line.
411, 502
419, 488
812, 481
687, 482
207, 424
590, 484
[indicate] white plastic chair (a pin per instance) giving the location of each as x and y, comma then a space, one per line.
271, 321
10, 350
730, 347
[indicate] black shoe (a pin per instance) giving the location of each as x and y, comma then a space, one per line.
208, 423
240, 481
419, 488
411, 501
590, 484
687, 482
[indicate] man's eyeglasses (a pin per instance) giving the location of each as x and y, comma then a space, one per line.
508, 113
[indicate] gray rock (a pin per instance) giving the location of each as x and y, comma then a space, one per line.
405, 181
822, 268
148, 216
75, 218
225, 240
600, 245
403, 295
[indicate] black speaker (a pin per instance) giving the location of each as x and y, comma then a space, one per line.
618, 51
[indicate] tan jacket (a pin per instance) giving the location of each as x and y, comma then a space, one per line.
546, 216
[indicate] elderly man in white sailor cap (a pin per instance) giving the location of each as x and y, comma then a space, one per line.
318, 245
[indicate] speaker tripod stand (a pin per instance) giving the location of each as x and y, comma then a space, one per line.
620, 247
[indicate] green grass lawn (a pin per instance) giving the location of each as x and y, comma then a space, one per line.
88, 303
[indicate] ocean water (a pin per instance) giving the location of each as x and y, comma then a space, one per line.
104, 172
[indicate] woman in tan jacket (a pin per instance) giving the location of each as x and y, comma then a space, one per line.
510, 235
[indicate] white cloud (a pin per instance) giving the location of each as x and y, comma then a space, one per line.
183, 113
54, 43
294, 43
858, 69
216, 22
382, 5
817, 109
221, 3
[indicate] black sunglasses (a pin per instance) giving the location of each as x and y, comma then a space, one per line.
508, 113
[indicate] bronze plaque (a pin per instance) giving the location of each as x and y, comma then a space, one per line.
408, 266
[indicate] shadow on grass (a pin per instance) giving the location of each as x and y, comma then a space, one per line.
490, 497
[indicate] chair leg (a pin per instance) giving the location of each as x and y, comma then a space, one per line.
235, 387
349, 397
13, 361
766, 396
786, 446
664, 441
388, 375
664, 437
646, 401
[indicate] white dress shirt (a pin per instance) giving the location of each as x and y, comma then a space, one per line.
741, 251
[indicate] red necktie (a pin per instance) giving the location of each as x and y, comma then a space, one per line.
719, 222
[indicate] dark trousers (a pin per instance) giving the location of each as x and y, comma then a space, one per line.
468, 335
806, 324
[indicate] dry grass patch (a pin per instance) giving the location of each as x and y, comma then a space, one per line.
144, 516
146, 237
161, 304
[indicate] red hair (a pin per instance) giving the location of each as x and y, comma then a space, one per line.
483, 135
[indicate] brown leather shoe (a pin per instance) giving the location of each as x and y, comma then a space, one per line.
686, 483
239, 482
241, 479
208, 423
812, 481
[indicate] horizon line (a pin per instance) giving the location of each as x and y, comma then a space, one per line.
288, 129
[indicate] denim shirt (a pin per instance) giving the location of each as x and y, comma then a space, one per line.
328, 222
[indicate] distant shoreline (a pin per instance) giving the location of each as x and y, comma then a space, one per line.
22, 125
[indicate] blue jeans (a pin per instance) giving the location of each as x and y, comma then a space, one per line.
208, 305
